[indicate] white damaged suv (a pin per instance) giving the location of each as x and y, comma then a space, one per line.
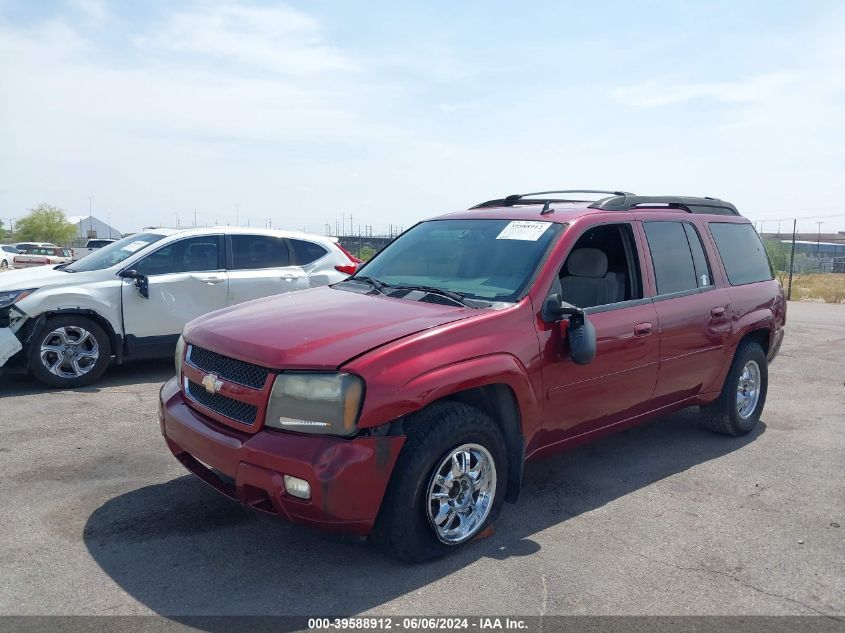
130, 300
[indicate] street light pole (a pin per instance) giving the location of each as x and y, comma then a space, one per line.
818, 237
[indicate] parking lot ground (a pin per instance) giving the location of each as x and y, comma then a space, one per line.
98, 518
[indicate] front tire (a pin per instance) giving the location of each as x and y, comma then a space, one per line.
738, 408
447, 486
70, 351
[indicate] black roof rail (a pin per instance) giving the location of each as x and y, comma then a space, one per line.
706, 205
511, 200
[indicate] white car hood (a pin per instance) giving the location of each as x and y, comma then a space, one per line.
41, 276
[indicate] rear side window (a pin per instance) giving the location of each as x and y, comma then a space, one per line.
307, 252
671, 256
258, 251
699, 259
742, 252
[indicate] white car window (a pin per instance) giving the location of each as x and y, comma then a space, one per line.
251, 252
193, 254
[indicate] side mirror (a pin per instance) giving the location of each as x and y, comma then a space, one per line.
141, 282
580, 333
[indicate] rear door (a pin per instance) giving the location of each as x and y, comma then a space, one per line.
186, 279
261, 266
693, 314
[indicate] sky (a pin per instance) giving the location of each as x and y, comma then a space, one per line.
303, 114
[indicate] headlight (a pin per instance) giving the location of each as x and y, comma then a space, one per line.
8, 297
314, 402
180, 355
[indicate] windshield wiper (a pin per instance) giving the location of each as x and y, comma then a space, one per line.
457, 297
375, 283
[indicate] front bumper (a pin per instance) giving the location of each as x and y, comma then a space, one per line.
348, 477
9, 345
774, 344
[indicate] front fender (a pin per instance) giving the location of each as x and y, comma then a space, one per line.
435, 384
100, 299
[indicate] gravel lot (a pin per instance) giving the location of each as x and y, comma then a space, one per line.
97, 518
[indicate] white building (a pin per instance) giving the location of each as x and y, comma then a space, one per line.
90, 227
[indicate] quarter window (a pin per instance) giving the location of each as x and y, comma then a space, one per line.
678, 257
258, 251
193, 254
742, 252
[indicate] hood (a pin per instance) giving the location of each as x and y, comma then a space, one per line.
320, 328
40, 276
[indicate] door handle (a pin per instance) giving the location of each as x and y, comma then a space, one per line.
642, 329
717, 313
209, 279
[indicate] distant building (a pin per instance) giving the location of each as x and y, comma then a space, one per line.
89, 227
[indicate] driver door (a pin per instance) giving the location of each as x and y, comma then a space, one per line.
186, 279
602, 274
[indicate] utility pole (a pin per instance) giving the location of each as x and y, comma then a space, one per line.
90, 217
177, 219
238, 214
195, 216
819, 237
108, 221
11, 229
792, 260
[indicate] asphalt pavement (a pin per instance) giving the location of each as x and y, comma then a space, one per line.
98, 518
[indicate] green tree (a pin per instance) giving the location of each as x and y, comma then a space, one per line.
779, 253
45, 223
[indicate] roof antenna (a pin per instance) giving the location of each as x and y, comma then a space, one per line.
547, 208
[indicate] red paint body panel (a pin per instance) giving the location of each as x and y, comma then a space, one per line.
654, 356
335, 468
319, 328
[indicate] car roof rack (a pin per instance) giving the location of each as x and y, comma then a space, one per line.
627, 202
514, 199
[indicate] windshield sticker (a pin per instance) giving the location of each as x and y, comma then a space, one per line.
523, 230
134, 246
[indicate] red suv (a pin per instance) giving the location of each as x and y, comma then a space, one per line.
403, 402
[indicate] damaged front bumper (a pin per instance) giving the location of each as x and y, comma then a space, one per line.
12, 322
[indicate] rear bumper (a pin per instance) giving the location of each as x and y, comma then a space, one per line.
348, 477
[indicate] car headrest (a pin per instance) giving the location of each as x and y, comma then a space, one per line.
587, 262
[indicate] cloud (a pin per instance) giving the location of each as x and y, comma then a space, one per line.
656, 93
278, 39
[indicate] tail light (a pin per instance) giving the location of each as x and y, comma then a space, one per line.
348, 269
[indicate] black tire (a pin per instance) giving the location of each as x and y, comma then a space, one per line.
93, 370
723, 415
403, 529
4, 265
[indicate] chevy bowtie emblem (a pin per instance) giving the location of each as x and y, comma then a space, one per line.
211, 383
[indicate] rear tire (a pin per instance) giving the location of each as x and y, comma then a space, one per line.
4, 265
70, 351
739, 406
424, 514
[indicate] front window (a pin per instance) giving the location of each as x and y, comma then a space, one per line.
114, 253
489, 260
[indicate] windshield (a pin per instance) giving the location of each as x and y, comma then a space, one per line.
114, 253
491, 260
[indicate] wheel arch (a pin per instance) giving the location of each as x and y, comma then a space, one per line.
40, 321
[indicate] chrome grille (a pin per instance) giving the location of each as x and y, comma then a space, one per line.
230, 369
228, 407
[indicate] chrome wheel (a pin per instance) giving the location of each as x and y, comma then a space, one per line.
69, 351
748, 390
460, 493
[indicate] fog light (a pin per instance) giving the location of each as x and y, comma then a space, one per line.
297, 487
